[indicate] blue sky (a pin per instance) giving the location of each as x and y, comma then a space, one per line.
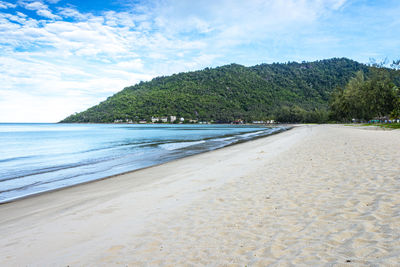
58, 57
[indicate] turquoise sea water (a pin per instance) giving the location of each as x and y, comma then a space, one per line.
36, 158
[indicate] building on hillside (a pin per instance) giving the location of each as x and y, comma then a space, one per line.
164, 119
172, 118
123, 121
155, 119
142, 121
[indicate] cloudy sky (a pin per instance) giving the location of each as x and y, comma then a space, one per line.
58, 57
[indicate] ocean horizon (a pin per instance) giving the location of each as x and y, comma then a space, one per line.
41, 157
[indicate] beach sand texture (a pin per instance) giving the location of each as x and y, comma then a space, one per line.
315, 195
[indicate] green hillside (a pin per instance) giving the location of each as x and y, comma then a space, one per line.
227, 93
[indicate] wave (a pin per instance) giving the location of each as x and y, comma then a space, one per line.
114, 158
17, 158
252, 134
179, 145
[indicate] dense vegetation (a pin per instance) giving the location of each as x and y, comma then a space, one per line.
287, 92
385, 125
374, 95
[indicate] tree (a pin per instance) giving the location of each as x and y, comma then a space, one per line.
364, 98
350, 102
396, 109
228, 93
379, 92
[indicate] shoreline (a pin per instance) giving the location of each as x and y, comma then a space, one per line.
284, 129
315, 195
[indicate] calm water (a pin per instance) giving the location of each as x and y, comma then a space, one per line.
39, 157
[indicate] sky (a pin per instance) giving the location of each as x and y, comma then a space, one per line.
58, 57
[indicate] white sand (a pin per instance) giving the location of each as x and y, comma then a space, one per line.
315, 195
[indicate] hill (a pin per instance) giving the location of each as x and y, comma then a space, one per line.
227, 93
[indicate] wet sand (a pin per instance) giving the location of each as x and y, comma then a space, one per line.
315, 195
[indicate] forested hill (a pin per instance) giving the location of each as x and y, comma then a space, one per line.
227, 93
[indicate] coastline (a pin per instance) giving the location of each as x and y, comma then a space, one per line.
285, 127
313, 195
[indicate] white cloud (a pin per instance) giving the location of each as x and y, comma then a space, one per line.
21, 106
34, 5
47, 14
20, 18
5, 5
40, 8
233, 20
124, 19
85, 57
68, 12
49, 91
136, 64
93, 56
337, 4
20, 14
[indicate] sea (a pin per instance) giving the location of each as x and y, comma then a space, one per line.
40, 157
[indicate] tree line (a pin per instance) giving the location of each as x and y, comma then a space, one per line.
371, 94
287, 92
367, 96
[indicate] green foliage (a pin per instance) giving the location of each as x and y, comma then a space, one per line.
350, 102
385, 125
231, 92
392, 125
294, 114
364, 98
396, 105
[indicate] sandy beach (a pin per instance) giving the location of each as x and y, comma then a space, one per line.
314, 195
